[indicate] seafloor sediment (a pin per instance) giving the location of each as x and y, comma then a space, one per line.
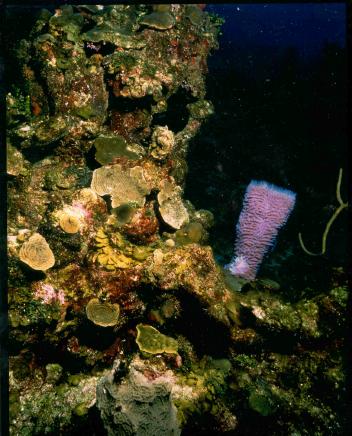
121, 321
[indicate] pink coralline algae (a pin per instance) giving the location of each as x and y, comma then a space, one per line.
48, 294
265, 210
81, 211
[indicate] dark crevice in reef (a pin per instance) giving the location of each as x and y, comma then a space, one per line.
103, 48
125, 104
35, 154
272, 340
98, 338
89, 24
47, 353
91, 49
30, 274
19, 20
107, 199
200, 426
36, 68
176, 115
92, 164
91, 425
208, 336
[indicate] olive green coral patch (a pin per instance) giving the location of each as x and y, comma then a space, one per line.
149, 339
109, 147
102, 314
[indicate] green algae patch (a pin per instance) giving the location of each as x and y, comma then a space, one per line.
109, 32
124, 213
107, 148
260, 403
81, 410
158, 20
194, 14
150, 340
140, 253
53, 372
191, 233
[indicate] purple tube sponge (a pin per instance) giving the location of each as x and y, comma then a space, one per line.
265, 210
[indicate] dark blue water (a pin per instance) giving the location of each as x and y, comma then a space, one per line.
306, 27
279, 86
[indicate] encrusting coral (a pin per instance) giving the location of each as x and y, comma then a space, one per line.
171, 207
102, 314
123, 186
109, 257
36, 253
69, 222
159, 19
163, 141
149, 339
110, 147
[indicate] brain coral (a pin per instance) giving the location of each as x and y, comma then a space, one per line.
137, 406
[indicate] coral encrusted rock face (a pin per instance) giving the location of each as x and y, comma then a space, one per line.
96, 179
121, 319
